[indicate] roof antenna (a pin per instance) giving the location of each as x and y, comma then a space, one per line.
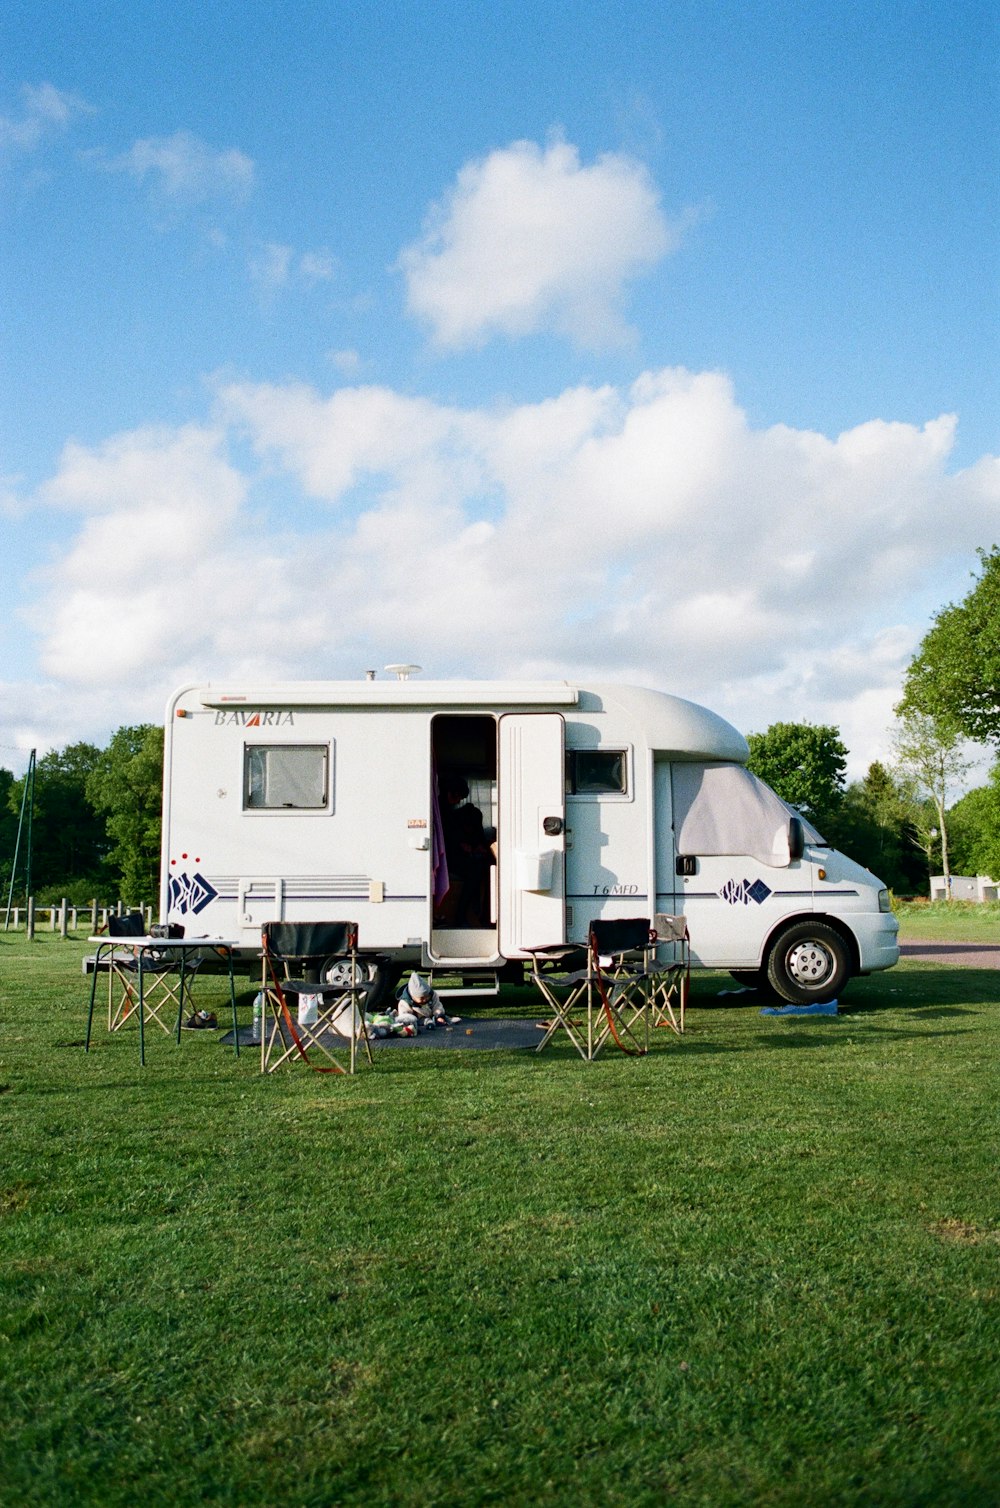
403, 672
369, 675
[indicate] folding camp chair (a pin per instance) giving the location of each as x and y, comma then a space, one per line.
562, 976
314, 995
669, 979
164, 979
599, 992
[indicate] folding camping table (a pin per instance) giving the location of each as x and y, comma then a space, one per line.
144, 957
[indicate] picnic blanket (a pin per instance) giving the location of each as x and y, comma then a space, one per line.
476, 1033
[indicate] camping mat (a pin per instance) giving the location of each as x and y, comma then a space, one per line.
476, 1032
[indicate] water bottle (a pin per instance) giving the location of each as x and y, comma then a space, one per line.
258, 1011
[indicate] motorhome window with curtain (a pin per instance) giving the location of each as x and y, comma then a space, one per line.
724, 809
283, 777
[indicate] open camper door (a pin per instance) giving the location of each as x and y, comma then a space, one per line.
531, 833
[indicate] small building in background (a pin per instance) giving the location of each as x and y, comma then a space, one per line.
965, 888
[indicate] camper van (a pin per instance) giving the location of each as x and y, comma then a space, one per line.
462, 824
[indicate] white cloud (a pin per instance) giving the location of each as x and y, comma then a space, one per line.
346, 361
531, 239
645, 534
139, 584
275, 266
183, 169
317, 266
270, 267
45, 110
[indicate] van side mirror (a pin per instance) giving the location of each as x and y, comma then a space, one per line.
687, 863
796, 838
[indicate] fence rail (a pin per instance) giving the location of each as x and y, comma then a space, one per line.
64, 918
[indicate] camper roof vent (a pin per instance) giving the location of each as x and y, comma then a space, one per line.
403, 672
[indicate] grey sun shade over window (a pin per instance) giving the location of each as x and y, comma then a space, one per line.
723, 809
283, 776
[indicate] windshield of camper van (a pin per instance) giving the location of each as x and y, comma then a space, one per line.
724, 809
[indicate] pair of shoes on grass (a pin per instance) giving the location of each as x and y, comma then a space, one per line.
201, 1021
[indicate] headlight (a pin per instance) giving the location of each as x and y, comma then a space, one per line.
884, 903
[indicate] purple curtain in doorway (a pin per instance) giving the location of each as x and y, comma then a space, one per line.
439, 862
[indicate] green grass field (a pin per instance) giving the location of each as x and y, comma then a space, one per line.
760, 1266
949, 921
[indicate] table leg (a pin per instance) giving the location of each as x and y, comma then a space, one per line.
142, 1036
232, 998
93, 991
180, 996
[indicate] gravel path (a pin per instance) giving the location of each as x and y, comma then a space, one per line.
974, 955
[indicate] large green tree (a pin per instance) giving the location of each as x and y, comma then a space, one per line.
876, 826
806, 764
974, 829
955, 675
929, 751
8, 830
68, 839
126, 785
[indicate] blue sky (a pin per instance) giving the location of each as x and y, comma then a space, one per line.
596, 341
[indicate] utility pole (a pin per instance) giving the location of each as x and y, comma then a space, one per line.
27, 808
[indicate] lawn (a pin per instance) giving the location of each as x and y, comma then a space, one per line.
759, 1266
949, 921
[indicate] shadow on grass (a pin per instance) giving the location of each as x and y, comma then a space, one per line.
797, 1038
911, 988
923, 987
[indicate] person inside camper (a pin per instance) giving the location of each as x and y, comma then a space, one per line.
469, 855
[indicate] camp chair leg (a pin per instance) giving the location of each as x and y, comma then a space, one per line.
562, 1014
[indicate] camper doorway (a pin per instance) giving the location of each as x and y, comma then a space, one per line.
500, 789
466, 894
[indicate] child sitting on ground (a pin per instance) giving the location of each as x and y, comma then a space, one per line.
420, 1006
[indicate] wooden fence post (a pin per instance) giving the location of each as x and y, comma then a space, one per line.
31, 918
63, 913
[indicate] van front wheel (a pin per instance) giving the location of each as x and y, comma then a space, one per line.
808, 963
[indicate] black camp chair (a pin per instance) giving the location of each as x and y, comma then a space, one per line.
314, 995
616, 987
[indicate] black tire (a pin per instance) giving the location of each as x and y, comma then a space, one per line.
384, 977
756, 979
387, 977
808, 963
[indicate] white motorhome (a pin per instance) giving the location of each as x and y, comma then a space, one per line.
342, 800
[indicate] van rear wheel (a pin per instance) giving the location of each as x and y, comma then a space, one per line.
382, 975
808, 963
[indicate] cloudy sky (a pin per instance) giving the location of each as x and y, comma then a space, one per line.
653, 342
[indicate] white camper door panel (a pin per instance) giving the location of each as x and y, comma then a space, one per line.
531, 837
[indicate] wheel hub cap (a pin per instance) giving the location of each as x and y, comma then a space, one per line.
809, 963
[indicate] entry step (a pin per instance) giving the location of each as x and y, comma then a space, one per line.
452, 982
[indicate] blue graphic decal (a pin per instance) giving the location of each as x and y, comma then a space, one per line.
737, 891
189, 893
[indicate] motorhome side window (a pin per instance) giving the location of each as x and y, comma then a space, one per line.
595, 772
282, 777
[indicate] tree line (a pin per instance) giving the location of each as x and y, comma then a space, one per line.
96, 819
